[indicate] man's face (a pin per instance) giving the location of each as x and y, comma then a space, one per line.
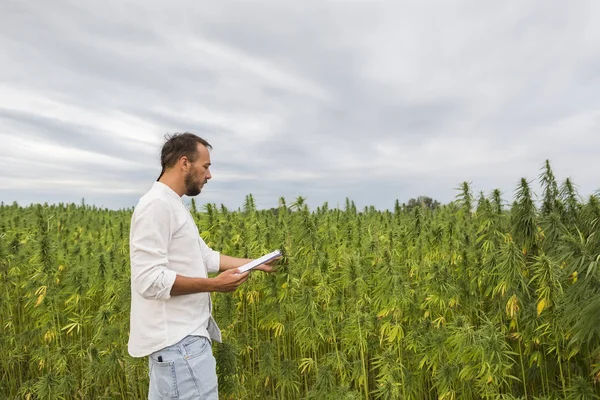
198, 173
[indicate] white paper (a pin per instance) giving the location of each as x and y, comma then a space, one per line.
258, 261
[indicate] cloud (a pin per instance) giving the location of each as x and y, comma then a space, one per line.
323, 99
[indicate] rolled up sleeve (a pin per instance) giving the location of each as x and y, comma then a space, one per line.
150, 234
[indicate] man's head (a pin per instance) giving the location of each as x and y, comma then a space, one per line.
185, 161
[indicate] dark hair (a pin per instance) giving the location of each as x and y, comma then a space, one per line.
178, 145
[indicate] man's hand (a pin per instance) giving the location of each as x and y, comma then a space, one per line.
267, 267
227, 262
229, 280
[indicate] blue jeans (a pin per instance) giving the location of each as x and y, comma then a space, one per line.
185, 370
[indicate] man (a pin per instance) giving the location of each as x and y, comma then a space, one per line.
171, 320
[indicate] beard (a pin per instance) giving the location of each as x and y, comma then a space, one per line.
192, 187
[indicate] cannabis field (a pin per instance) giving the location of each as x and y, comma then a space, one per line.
492, 296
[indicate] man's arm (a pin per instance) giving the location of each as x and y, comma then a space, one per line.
228, 262
228, 281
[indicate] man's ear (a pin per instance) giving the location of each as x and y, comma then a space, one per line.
184, 162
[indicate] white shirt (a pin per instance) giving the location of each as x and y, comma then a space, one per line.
165, 242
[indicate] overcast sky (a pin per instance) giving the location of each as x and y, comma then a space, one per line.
372, 100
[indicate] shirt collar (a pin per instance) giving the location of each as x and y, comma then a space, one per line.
166, 190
